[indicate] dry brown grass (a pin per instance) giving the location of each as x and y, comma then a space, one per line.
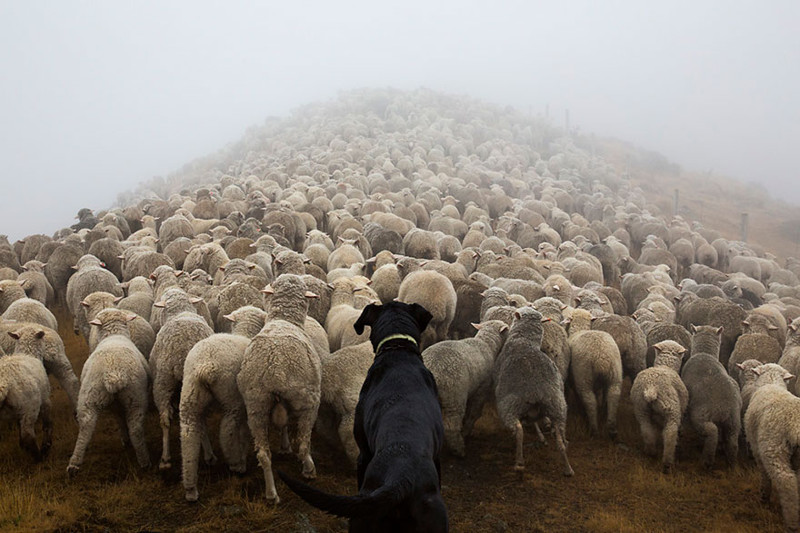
615, 488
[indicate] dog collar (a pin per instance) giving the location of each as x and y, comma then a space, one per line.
396, 336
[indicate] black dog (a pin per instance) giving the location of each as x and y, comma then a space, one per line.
398, 429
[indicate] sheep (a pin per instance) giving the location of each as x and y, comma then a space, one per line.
29, 310
753, 346
434, 292
232, 297
714, 312
386, 282
630, 339
280, 378
527, 384
772, 428
114, 372
25, 391
463, 373
35, 283
209, 374
658, 332
790, 357
343, 314
343, 374
715, 403
90, 277
747, 382
141, 332
10, 291
59, 268
596, 365
468, 307
46, 345
181, 329
139, 299
660, 399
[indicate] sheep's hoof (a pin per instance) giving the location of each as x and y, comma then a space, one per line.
72, 470
519, 468
569, 472
239, 468
192, 495
210, 461
45, 450
284, 452
311, 474
164, 464
667, 469
274, 501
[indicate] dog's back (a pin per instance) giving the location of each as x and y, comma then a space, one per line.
399, 432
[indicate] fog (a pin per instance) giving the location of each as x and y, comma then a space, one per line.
96, 97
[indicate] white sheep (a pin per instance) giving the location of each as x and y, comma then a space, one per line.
660, 399
280, 377
772, 428
463, 372
115, 371
209, 374
181, 329
595, 361
25, 391
46, 345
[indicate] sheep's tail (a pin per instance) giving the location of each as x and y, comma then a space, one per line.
279, 416
3, 392
379, 502
204, 372
650, 393
115, 380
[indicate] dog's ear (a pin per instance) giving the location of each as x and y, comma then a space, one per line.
420, 315
367, 318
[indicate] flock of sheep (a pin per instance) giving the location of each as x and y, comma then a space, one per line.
237, 282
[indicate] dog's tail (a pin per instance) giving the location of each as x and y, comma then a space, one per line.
378, 502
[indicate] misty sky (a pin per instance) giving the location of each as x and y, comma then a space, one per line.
98, 96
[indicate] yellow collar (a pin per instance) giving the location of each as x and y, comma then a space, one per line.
396, 336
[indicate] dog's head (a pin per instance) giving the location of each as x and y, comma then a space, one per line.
391, 319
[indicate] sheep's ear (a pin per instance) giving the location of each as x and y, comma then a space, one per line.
222, 268
230, 317
74, 267
367, 318
279, 261
96, 322
423, 263
657, 349
503, 328
756, 370
268, 290
517, 316
692, 328
84, 303
13, 335
131, 317
39, 334
682, 350
153, 277
772, 328
745, 323
330, 286
546, 319
195, 300
179, 273
593, 318
420, 315
310, 294
556, 288
677, 297
719, 330
474, 325
117, 299
370, 260
740, 366
793, 327
160, 305
787, 376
